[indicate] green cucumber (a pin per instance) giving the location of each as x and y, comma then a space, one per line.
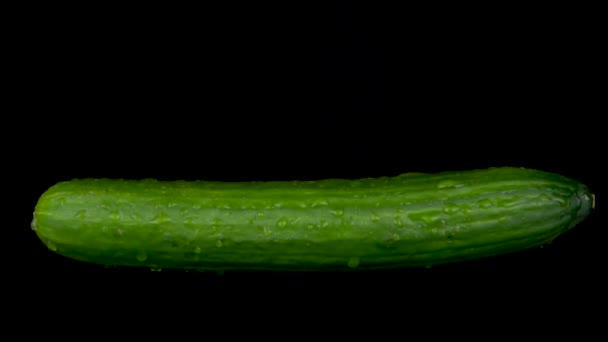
409, 220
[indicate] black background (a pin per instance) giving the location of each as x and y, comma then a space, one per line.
282, 92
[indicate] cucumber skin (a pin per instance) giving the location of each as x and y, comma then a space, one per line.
409, 220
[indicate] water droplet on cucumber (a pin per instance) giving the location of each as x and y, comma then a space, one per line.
161, 217
319, 203
282, 222
114, 215
451, 208
429, 216
448, 183
141, 256
508, 203
485, 203
398, 221
51, 245
353, 262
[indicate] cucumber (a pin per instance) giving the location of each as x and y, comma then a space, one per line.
410, 220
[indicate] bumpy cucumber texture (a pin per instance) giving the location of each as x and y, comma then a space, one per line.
409, 220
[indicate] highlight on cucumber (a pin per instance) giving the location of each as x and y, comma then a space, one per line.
410, 220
